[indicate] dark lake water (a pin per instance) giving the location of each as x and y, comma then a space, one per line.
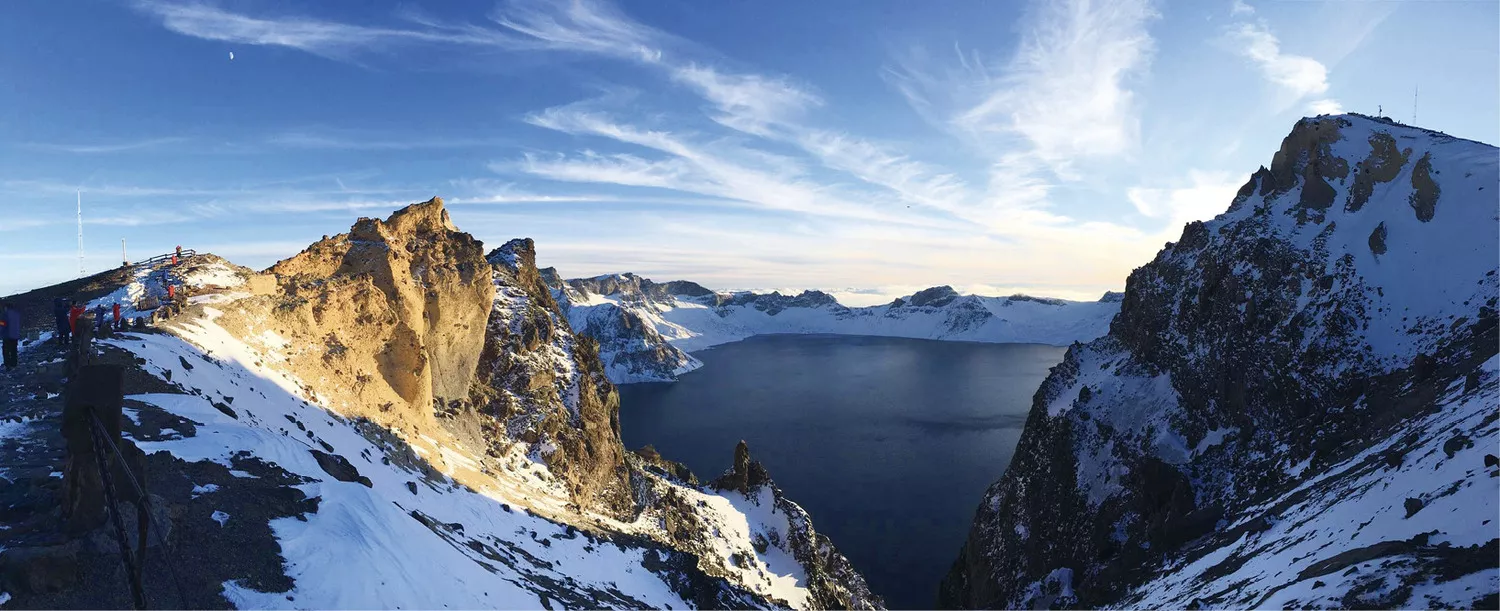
888, 443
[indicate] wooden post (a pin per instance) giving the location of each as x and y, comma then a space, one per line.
93, 387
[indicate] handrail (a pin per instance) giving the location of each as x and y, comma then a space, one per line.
186, 254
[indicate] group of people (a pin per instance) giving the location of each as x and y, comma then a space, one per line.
67, 313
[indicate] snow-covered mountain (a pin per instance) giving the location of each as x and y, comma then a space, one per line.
645, 329
395, 419
1296, 406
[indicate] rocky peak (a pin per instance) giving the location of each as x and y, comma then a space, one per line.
1112, 297
936, 296
428, 218
403, 297
746, 475
550, 276
515, 254
686, 288
1043, 300
1347, 291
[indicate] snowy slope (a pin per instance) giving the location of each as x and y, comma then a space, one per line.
198, 274
1363, 534
1293, 407
379, 546
635, 316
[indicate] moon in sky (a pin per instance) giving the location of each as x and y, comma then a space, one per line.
231, 55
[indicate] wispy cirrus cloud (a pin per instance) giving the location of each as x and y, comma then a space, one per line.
1063, 98
583, 26
316, 36
912, 180
1065, 91
751, 103
324, 139
521, 25
103, 147
719, 169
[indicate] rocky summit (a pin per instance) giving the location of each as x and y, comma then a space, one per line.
1295, 407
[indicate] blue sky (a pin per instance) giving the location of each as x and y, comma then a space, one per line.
1045, 147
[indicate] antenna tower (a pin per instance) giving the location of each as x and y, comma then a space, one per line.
80, 233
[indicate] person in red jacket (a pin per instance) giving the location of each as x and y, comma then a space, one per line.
73, 315
117, 315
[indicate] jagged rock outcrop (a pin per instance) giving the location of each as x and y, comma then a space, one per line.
832, 581
543, 385
1275, 387
397, 307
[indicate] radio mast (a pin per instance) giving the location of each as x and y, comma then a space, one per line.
80, 233
1414, 91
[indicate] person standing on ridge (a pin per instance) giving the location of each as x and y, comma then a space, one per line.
74, 314
11, 334
60, 313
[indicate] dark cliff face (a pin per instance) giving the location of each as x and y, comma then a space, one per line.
541, 384
1278, 334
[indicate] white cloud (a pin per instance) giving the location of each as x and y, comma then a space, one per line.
624, 170
1238, 8
1297, 75
1064, 91
912, 180
1326, 107
1063, 99
575, 25
315, 36
750, 103
719, 169
584, 26
329, 139
98, 148
1206, 195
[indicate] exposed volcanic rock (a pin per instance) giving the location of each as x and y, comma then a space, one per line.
398, 306
1222, 445
545, 386
834, 584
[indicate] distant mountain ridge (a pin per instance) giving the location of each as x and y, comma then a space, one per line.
646, 329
